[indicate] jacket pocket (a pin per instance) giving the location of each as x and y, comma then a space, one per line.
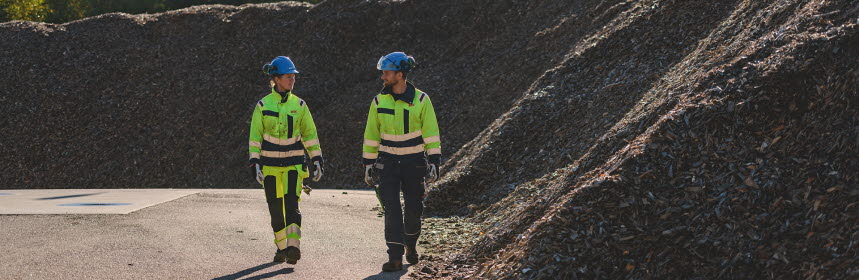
269, 120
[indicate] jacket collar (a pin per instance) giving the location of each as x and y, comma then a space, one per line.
283, 96
408, 96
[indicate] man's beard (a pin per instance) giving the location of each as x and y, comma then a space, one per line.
388, 84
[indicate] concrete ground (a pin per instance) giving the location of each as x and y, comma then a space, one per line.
185, 234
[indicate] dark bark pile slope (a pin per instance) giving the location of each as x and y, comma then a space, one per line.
682, 140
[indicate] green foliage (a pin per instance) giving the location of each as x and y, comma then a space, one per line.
32, 10
60, 11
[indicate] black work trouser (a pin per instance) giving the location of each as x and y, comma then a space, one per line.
399, 230
282, 191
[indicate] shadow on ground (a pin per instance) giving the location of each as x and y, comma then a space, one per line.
251, 270
390, 275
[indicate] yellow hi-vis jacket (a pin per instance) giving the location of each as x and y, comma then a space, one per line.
402, 127
281, 129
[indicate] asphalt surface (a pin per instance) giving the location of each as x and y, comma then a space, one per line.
211, 234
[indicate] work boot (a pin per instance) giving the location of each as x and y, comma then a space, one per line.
293, 254
280, 256
392, 266
411, 255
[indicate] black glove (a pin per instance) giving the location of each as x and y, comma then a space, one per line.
434, 159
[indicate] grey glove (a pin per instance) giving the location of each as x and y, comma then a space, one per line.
433, 173
368, 175
317, 170
260, 176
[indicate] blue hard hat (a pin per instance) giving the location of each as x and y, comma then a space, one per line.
397, 61
280, 65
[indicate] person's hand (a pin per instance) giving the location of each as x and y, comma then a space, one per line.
368, 175
316, 170
433, 173
258, 173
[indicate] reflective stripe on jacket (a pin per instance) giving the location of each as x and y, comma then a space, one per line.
282, 129
401, 127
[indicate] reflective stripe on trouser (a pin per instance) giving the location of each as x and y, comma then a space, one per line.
282, 193
402, 229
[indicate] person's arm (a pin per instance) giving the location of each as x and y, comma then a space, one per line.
308, 134
372, 136
431, 135
255, 139
311, 142
255, 142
